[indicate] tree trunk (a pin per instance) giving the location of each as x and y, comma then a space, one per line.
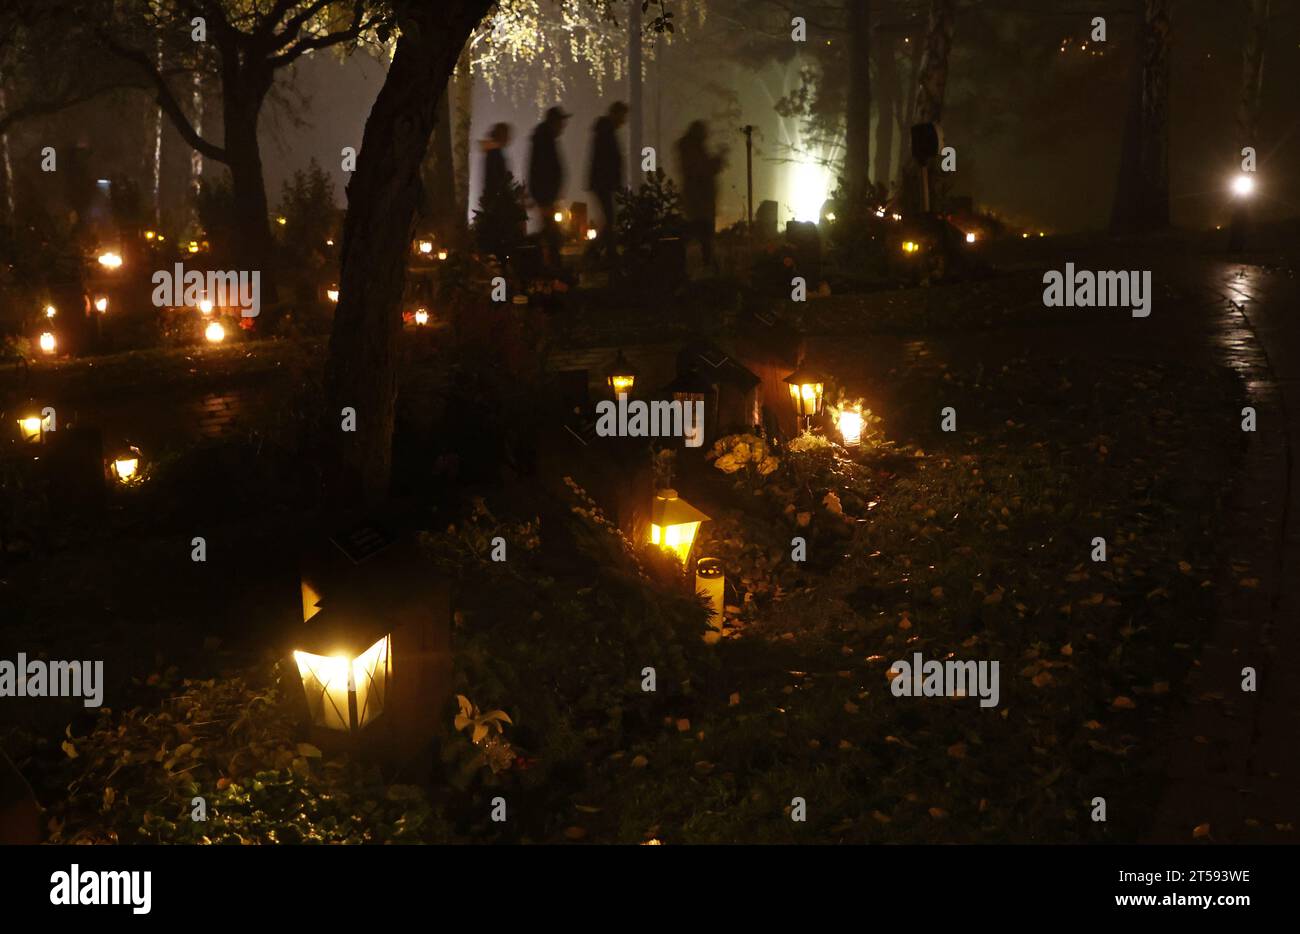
361, 372
255, 248
887, 81
930, 87
857, 124
6, 165
1128, 185
444, 195
464, 121
635, 117
196, 157
1154, 153
156, 146
1252, 74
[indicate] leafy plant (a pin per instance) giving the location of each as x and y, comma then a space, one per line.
648, 214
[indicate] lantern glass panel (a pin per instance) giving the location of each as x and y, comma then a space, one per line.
345, 693
125, 467
677, 538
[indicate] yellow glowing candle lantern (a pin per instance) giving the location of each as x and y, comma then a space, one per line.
373, 653
345, 691
421, 317
101, 304
110, 260
442, 254
621, 375
1243, 186
50, 311
193, 246
215, 333
205, 306
558, 217
125, 467
806, 389
851, 425
712, 583
35, 426
149, 234
674, 523
591, 233
910, 246
47, 342
282, 221
332, 293
970, 238
426, 247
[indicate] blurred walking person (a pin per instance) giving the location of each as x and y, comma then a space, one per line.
546, 176
700, 170
496, 175
605, 177
501, 221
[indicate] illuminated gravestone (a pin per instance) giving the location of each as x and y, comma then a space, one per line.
374, 649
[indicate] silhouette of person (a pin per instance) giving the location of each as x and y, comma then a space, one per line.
546, 175
605, 177
496, 176
700, 170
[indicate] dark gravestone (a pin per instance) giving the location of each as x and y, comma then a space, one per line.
73, 463
19, 812
765, 221
807, 244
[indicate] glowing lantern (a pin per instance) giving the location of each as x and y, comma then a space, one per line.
558, 217
591, 233
690, 388
282, 221
345, 691
101, 304
332, 293
205, 306
806, 387
215, 333
970, 238
910, 246
373, 650
421, 317
880, 212
110, 260
442, 254
149, 234
851, 425
710, 581
193, 246
50, 311
1243, 186
674, 523
47, 342
426, 247
621, 375
126, 466
34, 427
